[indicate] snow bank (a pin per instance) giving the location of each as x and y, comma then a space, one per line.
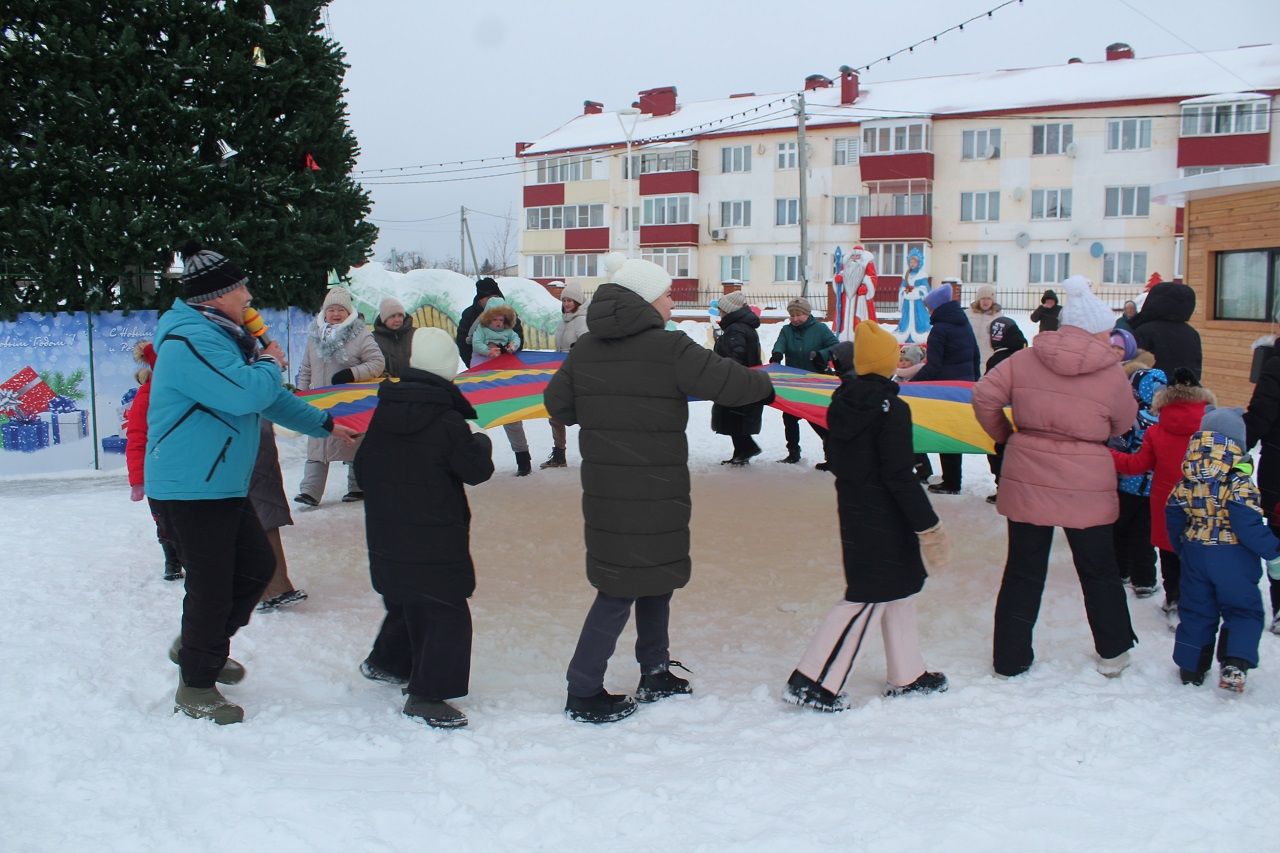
449, 292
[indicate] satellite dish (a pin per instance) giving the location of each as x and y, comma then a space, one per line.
1071, 149
989, 152
1019, 193
1022, 240
1073, 238
1096, 250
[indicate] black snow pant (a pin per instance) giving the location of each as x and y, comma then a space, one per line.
429, 643
1018, 604
952, 465
791, 429
995, 461
1171, 573
744, 446
1135, 555
229, 562
604, 623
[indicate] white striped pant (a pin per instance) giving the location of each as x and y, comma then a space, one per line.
834, 649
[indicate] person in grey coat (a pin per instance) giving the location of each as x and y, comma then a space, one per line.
627, 384
266, 493
393, 332
573, 325
340, 349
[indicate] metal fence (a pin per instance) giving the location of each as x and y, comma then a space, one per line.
886, 302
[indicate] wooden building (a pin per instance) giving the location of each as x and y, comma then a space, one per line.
1232, 261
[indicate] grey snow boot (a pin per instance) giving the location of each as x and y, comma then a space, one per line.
205, 703
232, 672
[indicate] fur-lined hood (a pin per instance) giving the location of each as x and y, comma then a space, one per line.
1171, 394
498, 307
329, 346
1142, 360
144, 353
990, 312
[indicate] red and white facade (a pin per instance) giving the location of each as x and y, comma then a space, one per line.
1016, 178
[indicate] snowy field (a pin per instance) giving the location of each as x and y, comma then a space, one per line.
1061, 759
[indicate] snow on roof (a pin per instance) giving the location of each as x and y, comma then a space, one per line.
1210, 184
1228, 98
1170, 77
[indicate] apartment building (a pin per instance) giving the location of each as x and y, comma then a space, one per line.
1016, 177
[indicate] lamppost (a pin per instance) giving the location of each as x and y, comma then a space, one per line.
628, 171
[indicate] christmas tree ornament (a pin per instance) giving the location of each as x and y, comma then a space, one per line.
175, 267
289, 207
268, 16
259, 57
311, 163
225, 151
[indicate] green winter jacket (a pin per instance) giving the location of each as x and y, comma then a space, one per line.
796, 342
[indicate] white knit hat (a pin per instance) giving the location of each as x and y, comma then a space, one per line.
647, 280
731, 301
573, 291
433, 350
389, 307
1084, 310
340, 297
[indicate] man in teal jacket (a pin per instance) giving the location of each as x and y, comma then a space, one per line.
807, 344
209, 386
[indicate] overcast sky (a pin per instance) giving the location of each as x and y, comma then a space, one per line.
432, 82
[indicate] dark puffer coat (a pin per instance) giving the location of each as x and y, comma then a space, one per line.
951, 352
394, 344
1262, 424
413, 463
627, 384
881, 503
794, 344
266, 486
1046, 316
1161, 328
741, 343
485, 288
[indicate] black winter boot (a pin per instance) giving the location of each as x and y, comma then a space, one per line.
172, 565
556, 459
804, 691
524, 463
661, 683
792, 457
434, 712
604, 707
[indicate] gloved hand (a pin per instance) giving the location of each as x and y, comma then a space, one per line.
136, 493
776, 358
342, 377
1273, 569
934, 546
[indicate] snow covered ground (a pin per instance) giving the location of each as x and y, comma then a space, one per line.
1061, 759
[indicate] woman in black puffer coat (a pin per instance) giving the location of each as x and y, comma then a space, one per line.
738, 342
1162, 328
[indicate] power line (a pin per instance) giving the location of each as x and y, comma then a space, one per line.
1187, 43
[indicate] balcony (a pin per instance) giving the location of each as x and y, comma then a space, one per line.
898, 210
668, 183
1238, 149
542, 195
892, 167
668, 235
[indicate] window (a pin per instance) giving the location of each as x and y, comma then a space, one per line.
848, 209
787, 155
736, 158
631, 219
896, 139
1124, 268
563, 266
666, 210
1128, 134
1188, 171
1252, 116
735, 268
1247, 284
566, 216
912, 204
1179, 244
846, 150
980, 144
1051, 204
734, 214
786, 267
668, 161
559, 170
979, 207
1049, 269
1128, 201
978, 269
674, 259
891, 258
787, 211
1050, 138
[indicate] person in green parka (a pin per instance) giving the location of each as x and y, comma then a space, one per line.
804, 343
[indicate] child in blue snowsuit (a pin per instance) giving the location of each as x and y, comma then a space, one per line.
1135, 555
1217, 525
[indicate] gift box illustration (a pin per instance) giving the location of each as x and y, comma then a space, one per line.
67, 422
24, 434
25, 394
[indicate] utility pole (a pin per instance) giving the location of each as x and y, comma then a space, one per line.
462, 239
803, 163
466, 227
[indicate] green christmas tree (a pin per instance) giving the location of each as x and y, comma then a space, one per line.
117, 149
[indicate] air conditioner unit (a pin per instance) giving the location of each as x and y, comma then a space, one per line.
1071, 150
719, 234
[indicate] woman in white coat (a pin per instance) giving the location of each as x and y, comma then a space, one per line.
340, 349
573, 325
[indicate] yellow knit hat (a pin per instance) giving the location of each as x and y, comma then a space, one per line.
874, 350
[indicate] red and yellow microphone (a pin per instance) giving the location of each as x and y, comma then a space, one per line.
256, 326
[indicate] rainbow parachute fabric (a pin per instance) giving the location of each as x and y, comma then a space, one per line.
509, 388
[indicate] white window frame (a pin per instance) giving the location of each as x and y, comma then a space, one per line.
786, 211
1051, 203
683, 160
667, 210
1128, 134
1124, 268
979, 268
563, 170
847, 209
735, 214
907, 138
786, 268
735, 158
1131, 202
788, 155
735, 268
891, 258
1048, 267
1051, 138
1227, 118
567, 216
676, 260
580, 265
974, 143
981, 206
1179, 245
845, 150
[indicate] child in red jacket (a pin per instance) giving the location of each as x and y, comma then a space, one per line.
1180, 407
135, 450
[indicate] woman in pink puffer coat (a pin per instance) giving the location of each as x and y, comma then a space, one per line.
1069, 396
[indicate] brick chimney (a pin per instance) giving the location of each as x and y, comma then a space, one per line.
743, 95
591, 108
520, 146
1075, 60
658, 102
1119, 50
848, 85
816, 81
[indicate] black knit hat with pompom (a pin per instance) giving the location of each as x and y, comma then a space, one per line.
207, 275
